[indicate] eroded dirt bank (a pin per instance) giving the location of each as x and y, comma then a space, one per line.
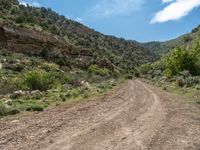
133, 117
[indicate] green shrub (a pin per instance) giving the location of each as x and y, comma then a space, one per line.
136, 73
3, 109
85, 95
179, 60
94, 69
128, 76
37, 96
14, 111
7, 110
39, 80
145, 68
190, 81
35, 107
63, 97
187, 80
7, 85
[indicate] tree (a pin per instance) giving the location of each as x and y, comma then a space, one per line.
179, 60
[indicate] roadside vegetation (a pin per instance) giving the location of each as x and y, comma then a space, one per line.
30, 83
179, 69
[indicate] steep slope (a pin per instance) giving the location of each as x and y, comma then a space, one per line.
121, 53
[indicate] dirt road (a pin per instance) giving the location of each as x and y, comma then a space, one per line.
136, 116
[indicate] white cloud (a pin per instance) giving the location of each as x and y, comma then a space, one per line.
175, 10
115, 7
30, 3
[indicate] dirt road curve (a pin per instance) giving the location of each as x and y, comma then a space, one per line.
135, 116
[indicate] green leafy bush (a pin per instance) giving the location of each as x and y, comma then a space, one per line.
35, 107
179, 60
7, 110
94, 69
39, 80
145, 68
128, 76
3, 109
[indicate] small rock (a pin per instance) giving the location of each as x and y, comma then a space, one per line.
18, 60
1, 65
35, 92
15, 121
17, 94
84, 83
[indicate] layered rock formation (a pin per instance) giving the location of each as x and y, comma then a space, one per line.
47, 45
35, 42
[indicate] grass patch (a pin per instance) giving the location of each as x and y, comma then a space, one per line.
35, 107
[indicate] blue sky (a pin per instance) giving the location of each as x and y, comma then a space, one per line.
141, 20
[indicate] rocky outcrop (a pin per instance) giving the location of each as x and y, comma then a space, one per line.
47, 45
33, 42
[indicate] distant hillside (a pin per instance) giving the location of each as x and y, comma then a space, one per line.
187, 40
121, 53
158, 47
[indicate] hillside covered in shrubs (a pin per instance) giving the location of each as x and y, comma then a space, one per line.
47, 59
122, 53
180, 65
186, 40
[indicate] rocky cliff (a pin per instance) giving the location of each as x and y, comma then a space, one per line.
35, 42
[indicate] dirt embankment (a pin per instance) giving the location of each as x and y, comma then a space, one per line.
135, 116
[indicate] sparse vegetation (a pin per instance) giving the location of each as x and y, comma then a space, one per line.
42, 83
